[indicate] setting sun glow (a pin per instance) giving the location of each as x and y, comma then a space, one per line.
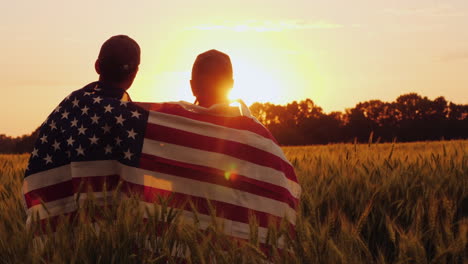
280, 51
265, 67
254, 82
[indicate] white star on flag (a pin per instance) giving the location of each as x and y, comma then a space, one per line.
48, 159
74, 123
34, 152
82, 130
106, 128
43, 139
108, 149
94, 140
95, 119
131, 133
70, 141
123, 103
80, 151
108, 108
65, 115
56, 145
53, 125
76, 102
128, 154
97, 100
84, 110
118, 141
119, 119
57, 109
136, 114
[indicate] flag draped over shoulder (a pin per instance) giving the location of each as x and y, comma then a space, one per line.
221, 154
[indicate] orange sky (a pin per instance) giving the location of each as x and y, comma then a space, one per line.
334, 52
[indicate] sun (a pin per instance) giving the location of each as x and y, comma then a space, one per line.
254, 82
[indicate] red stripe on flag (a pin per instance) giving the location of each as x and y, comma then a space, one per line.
49, 193
215, 176
236, 122
69, 188
231, 148
201, 205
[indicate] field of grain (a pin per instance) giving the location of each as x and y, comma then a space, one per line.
369, 203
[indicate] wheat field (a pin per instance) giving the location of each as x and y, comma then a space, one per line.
361, 203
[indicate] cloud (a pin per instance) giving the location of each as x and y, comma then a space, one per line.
268, 26
442, 10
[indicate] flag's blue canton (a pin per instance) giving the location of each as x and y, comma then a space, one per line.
88, 126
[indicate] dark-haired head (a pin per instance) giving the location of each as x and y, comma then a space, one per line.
118, 61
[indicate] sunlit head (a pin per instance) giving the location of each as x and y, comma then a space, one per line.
212, 78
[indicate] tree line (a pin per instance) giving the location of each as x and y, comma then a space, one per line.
410, 117
23, 144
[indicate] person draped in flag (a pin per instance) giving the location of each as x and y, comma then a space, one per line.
204, 156
68, 134
212, 80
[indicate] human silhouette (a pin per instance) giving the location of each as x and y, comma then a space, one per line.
212, 78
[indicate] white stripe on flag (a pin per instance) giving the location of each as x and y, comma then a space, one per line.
220, 161
47, 178
64, 205
216, 131
70, 171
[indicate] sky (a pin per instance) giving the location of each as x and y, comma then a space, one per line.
337, 53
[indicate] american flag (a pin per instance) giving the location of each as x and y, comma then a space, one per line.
221, 154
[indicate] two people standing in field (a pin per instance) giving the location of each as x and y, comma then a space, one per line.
209, 150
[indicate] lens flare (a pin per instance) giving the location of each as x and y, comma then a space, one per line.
231, 173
